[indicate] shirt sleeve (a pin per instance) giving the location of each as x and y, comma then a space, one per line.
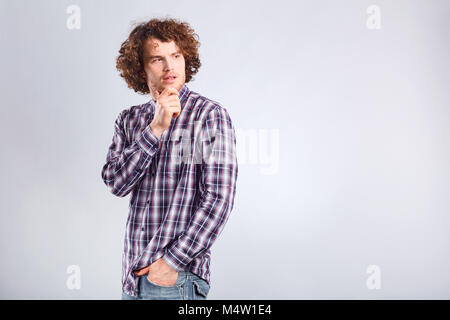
126, 163
217, 188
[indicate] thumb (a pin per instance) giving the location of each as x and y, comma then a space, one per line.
141, 271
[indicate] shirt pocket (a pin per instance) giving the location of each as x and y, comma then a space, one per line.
178, 154
170, 161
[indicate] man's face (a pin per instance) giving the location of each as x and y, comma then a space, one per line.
163, 59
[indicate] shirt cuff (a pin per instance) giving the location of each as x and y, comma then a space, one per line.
176, 259
148, 141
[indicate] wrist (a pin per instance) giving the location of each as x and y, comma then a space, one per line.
157, 131
161, 265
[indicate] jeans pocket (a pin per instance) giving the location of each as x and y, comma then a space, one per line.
162, 286
201, 289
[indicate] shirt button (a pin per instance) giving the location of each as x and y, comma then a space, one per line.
142, 228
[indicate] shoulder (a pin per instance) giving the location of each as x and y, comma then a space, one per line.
206, 108
134, 112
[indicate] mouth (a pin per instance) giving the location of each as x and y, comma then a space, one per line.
169, 78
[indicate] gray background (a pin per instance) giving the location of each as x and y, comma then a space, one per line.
363, 120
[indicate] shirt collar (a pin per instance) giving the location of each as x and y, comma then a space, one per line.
183, 94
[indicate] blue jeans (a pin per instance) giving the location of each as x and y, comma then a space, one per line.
188, 286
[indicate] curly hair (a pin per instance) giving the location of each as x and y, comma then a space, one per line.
130, 59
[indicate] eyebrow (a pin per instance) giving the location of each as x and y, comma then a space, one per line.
151, 57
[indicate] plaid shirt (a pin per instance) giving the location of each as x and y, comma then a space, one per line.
182, 184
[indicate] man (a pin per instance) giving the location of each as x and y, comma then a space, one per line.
176, 155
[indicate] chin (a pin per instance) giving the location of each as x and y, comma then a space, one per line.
175, 85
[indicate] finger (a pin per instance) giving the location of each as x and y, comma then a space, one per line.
169, 91
170, 101
176, 112
142, 271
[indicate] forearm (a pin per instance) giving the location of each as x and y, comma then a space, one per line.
124, 168
207, 224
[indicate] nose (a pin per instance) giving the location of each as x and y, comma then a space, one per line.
168, 65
